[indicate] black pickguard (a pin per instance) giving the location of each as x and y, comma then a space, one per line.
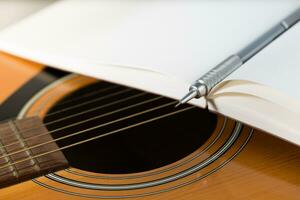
12, 106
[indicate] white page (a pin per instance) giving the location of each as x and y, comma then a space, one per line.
15, 10
277, 66
182, 38
120, 41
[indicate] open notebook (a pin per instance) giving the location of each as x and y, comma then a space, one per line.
163, 46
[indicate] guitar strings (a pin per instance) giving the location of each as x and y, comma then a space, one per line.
91, 128
96, 108
98, 91
87, 102
90, 119
105, 114
83, 112
100, 136
90, 101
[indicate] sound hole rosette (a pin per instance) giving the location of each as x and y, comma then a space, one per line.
218, 151
161, 170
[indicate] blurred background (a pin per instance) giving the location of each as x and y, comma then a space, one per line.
14, 10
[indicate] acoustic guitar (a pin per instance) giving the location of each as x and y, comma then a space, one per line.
68, 136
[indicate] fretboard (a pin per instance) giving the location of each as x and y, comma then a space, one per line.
23, 154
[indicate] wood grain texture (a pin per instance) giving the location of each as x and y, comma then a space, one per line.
18, 136
14, 72
266, 168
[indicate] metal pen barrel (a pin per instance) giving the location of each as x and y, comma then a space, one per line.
205, 83
261, 42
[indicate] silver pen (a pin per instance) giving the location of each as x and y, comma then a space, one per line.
205, 83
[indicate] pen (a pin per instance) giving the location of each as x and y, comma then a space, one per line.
205, 83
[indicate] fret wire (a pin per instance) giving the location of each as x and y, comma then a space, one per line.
8, 160
10, 136
47, 115
99, 136
7, 120
95, 127
98, 116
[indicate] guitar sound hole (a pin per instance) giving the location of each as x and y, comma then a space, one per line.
98, 109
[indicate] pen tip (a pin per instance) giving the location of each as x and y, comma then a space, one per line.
178, 104
187, 97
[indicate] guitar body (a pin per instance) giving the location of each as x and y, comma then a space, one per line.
232, 162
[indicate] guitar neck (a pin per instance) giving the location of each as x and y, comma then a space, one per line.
27, 151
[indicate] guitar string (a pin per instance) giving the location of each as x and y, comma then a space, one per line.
99, 136
98, 91
96, 108
90, 101
105, 114
87, 102
86, 111
89, 129
87, 120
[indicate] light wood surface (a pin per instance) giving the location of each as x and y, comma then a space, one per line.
14, 72
257, 166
